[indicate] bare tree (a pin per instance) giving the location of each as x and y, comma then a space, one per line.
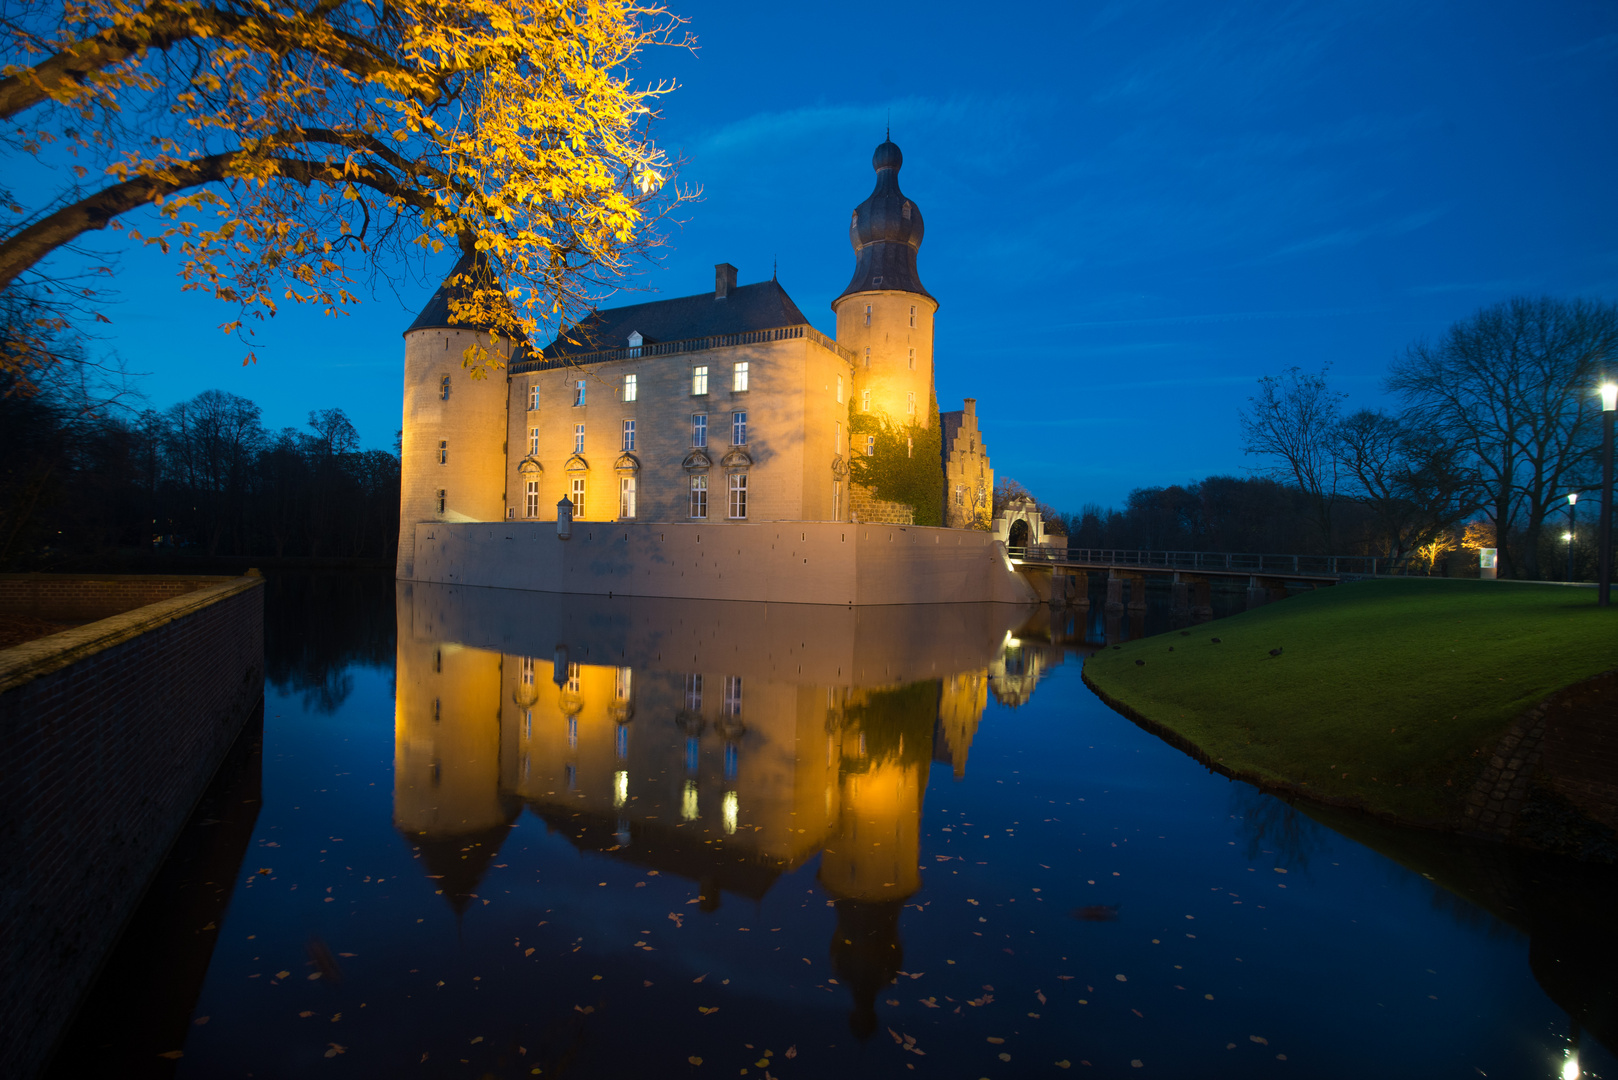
1292, 421
1409, 479
1512, 388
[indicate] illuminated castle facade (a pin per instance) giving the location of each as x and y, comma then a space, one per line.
723, 408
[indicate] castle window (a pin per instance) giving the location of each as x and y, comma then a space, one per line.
912, 306
699, 380
837, 500
699, 497
870, 446
867, 349
526, 671
912, 403
443, 389
738, 429
867, 323
578, 438
631, 390
912, 359
738, 376
839, 389
440, 500
865, 401
531, 498
533, 397
533, 441
578, 497
699, 429
578, 392
626, 497
910, 447
738, 495
837, 437
733, 695
443, 451
960, 494
629, 435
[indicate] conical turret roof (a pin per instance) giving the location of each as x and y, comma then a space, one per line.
437, 312
886, 232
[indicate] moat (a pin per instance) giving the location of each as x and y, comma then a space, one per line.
492, 833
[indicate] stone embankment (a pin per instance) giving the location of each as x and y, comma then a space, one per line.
109, 734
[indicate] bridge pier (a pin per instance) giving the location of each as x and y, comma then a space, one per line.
1115, 593
1264, 590
1137, 592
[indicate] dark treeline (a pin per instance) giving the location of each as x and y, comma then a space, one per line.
1221, 513
84, 478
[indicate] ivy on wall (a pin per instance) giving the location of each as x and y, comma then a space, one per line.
907, 466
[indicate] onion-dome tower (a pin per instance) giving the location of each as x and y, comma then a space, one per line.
885, 315
452, 441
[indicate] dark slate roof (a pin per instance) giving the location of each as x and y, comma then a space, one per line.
436, 313
886, 232
761, 306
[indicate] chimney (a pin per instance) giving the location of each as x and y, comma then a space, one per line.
724, 280
971, 406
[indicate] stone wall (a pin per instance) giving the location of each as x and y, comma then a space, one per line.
866, 507
109, 734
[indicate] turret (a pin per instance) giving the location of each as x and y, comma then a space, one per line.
453, 438
886, 315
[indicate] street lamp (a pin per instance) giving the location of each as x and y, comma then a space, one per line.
1609, 404
1572, 528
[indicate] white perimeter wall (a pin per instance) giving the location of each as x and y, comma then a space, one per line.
784, 562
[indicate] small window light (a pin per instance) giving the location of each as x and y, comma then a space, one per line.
631, 389
443, 451
865, 401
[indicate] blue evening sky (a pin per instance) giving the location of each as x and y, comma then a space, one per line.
1133, 210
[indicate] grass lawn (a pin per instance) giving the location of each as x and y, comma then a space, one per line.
1387, 694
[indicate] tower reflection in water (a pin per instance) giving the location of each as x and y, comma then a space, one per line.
727, 743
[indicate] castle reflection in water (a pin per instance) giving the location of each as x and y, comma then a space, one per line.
724, 742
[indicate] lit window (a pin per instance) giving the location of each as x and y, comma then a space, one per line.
870, 446
960, 494
629, 435
910, 447
738, 377
578, 497
867, 323
738, 429
699, 429
533, 397
912, 306
578, 392
865, 401
440, 500
631, 390
525, 673
443, 389
733, 695
839, 389
837, 436
578, 438
531, 498
738, 495
699, 496
912, 359
443, 451
699, 380
533, 441
626, 497
912, 405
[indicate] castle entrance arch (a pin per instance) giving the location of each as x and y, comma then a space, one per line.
1018, 536
1020, 524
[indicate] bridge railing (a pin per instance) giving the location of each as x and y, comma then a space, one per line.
1215, 561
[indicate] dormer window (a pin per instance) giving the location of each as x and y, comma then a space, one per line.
635, 342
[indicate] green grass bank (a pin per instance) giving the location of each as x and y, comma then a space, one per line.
1387, 695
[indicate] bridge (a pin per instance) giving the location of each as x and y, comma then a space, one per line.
1061, 575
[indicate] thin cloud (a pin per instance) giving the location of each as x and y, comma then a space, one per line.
1342, 238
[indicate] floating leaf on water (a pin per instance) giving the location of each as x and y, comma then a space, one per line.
172, 1055
1261, 1040
693, 1059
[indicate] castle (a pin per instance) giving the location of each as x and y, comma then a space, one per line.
722, 409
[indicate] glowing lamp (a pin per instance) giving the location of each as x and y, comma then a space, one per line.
1609, 396
1570, 1070
1567, 536
1573, 498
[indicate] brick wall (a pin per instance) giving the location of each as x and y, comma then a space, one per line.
74, 598
108, 737
874, 511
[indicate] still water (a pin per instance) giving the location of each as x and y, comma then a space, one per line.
501, 834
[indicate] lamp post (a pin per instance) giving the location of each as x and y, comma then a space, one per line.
1572, 528
1609, 404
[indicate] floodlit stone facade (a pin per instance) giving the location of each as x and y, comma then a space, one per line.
720, 408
